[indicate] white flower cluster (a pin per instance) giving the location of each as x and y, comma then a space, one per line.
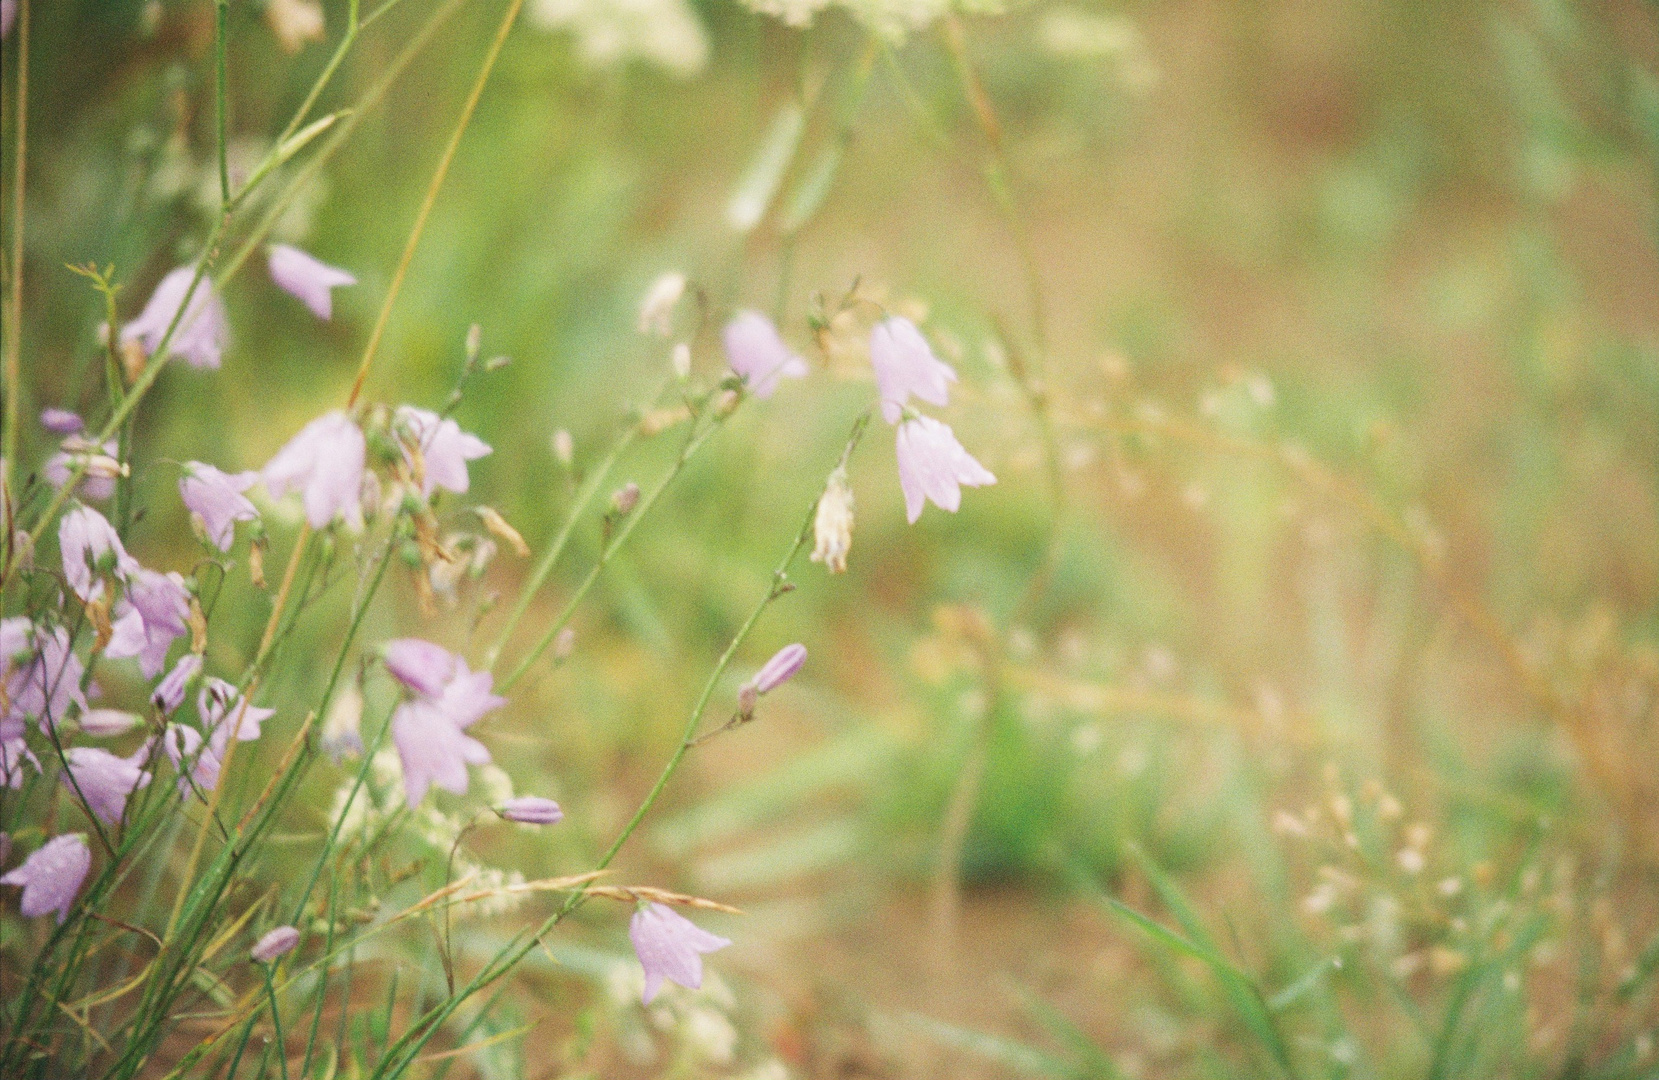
666, 33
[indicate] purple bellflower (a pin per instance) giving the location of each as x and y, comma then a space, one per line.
324, 463
105, 780
759, 355
13, 753
420, 665
906, 367
52, 875
429, 730
202, 333
48, 681
154, 613
933, 465
169, 692
91, 547
216, 497
308, 279
669, 946
444, 449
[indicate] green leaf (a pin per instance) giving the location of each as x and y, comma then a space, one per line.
760, 183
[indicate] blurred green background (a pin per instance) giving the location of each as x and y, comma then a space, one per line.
1348, 355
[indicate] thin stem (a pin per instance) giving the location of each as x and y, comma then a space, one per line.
14, 318
432, 188
221, 16
538, 576
694, 444
276, 1020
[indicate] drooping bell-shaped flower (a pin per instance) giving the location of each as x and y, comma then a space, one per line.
324, 463
670, 946
758, 354
155, 612
14, 753
216, 498
169, 692
906, 367
220, 703
433, 750
933, 465
47, 681
104, 779
91, 548
52, 876
202, 332
307, 278
422, 666
104, 723
436, 449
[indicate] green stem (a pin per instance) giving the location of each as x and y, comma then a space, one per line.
221, 16
276, 1021
14, 319
695, 443
538, 576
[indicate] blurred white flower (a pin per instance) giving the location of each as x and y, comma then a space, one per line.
610, 32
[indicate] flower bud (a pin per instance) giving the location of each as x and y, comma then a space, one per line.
625, 498
680, 360
656, 311
564, 448
780, 669
275, 943
497, 524
531, 810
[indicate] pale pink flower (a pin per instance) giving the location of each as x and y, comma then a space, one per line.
14, 751
105, 780
444, 449
433, 750
759, 355
52, 875
219, 702
906, 367
933, 465
202, 333
91, 548
420, 665
669, 946
169, 692
155, 613
183, 746
324, 463
216, 497
531, 810
780, 669
308, 279
468, 695
48, 681
275, 943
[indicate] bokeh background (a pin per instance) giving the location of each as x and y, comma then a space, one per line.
1315, 347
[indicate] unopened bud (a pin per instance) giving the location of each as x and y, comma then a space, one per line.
564, 448
274, 944
625, 498
531, 810
780, 669
133, 360
475, 342
726, 403
747, 696
680, 360
658, 421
